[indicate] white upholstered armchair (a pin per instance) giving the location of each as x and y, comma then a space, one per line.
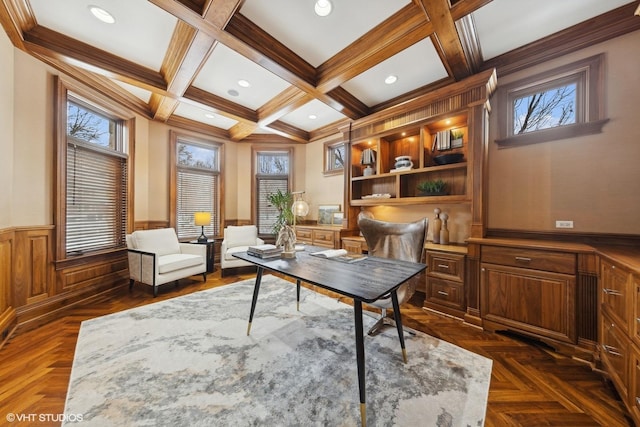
157, 257
237, 239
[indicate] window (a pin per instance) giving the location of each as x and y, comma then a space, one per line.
196, 178
272, 173
334, 157
561, 103
93, 176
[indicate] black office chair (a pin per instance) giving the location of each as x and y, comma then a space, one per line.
403, 241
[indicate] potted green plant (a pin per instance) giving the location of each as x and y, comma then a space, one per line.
432, 188
285, 235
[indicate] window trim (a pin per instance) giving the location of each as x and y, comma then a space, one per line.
588, 73
326, 150
62, 89
174, 137
254, 190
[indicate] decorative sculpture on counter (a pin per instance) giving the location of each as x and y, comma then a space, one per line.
444, 232
437, 224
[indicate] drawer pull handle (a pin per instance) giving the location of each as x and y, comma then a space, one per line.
612, 350
612, 292
523, 259
443, 293
443, 266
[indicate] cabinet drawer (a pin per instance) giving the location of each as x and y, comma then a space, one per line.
303, 235
615, 354
558, 262
324, 238
616, 294
445, 293
445, 266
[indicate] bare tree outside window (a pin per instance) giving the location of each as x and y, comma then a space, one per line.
542, 110
89, 126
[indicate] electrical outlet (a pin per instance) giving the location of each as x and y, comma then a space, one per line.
564, 224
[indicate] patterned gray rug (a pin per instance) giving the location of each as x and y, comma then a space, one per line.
188, 362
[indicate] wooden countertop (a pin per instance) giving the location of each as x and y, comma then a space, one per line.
628, 256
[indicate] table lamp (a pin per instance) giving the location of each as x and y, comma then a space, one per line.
202, 219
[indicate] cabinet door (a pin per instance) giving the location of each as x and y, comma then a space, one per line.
537, 302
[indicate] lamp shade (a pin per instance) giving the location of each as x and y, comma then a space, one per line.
202, 218
300, 208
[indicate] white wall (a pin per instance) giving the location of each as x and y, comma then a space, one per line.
32, 142
7, 126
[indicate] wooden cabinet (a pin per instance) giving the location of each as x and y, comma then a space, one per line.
445, 279
319, 235
619, 343
355, 244
530, 291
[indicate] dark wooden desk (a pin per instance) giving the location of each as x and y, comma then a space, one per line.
365, 281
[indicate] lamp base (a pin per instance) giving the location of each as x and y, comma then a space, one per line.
202, 238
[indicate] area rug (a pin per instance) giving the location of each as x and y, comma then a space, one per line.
188, 361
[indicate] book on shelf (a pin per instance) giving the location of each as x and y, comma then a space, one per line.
339, 255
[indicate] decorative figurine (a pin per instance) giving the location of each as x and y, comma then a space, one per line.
437, 223
444, 232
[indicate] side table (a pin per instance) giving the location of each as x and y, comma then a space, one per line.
211, 251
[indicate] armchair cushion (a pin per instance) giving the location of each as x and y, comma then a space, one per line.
173, 262
244, 235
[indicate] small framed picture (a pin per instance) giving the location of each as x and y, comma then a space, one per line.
325, 214
336, 219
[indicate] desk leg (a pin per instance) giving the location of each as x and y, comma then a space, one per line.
357, 310
256, 289
298, 294
398, 319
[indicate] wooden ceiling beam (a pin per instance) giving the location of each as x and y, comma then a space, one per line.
405, 28
445, 37
56, 45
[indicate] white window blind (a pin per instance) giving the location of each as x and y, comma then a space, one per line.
96, 215
197, 192
267, 214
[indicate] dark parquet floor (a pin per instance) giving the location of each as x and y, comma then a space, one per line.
531, 385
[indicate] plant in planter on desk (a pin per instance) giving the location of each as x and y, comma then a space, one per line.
286, 236
432, 188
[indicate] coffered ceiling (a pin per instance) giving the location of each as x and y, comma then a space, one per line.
182, 61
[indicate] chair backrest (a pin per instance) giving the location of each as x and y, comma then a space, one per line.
240, 235
162, 241
403, 241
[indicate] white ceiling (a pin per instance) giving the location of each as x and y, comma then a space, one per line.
142, 33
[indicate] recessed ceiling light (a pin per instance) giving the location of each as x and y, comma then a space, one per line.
243, 83
233, 92
209, 116
323, 7
313, 116
102, 14
391, 79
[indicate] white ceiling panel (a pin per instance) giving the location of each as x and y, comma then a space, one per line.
223, 70
504, 25
136, 20
416, 66
204, 115
302, 117
316, 39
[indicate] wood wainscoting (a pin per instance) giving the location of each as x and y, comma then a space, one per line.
33, 291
